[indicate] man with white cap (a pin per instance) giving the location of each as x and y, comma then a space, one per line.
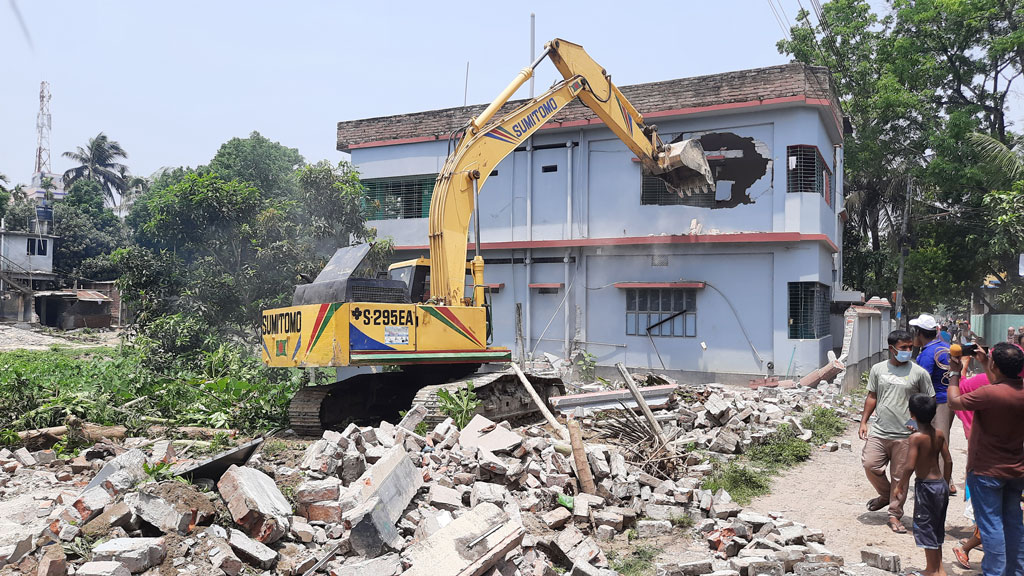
934, 357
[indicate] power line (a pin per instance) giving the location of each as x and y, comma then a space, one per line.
778, 20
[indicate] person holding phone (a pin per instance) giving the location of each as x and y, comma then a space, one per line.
995, 455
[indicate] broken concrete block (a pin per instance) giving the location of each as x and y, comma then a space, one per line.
487, 492
413, 417
255, 503
556, 518
698, 568
91, 503
652, 528
484, 434
318, 490
765, 568
322, 456
386, 565
568, 539
444, 498
382, 493
251, 551
724, 510
605, 533
136, 554
102, 569
223, 558
118, 514
878, 558
53, 562
294, 560
605, 518
448, 550
328, 511
353, 464
301, 531
816, 569
25, 457
158, 512
663, 512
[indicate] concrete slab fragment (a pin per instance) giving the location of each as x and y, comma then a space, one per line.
469, 546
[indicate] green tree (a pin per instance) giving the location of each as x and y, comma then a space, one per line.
266, 165
241, 251
98, 161
88, 231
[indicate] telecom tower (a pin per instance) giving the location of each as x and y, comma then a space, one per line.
43, 130
55, 186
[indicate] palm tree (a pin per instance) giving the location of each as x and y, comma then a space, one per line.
1008, 160
134, 186
98, 161
3, 182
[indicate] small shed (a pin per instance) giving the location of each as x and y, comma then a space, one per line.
73, 308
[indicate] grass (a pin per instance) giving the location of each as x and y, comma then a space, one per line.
782, 449
825, 424
639, 561
685, 521
274, 447
743, 483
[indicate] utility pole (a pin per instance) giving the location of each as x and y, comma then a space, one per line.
533, 44
903, 252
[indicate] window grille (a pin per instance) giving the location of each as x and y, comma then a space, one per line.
398, 198
654, 192
808, 310
646, 307
807, 172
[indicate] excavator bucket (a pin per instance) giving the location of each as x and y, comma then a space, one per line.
684, 168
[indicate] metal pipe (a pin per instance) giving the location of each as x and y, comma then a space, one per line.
533, 45
476, 214
528, 261
517, 82
568, 236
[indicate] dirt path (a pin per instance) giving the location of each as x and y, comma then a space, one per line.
829, 492
14, 338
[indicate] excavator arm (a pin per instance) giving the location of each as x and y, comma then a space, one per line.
485, 143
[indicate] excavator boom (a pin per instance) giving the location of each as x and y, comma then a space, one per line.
485, 143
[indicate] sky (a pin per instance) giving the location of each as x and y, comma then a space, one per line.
173, 81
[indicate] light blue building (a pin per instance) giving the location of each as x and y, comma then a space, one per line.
722, 286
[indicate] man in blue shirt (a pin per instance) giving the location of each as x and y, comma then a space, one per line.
934, 357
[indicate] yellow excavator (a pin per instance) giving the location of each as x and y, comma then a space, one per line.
420, 318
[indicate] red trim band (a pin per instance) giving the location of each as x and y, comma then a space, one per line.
547, 285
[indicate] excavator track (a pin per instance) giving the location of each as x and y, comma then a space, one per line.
501, 395
366, 399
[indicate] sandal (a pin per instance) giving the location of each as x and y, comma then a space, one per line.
897, 527
961, 557
952, 492
876, 504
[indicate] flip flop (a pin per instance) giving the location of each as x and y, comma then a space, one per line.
952, 492
876, 504
898, 527
961, 557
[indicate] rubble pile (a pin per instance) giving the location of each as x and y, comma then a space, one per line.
489, 499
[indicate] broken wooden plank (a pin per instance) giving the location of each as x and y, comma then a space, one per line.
655, 426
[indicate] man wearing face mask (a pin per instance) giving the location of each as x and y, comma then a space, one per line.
890, 385
995, 455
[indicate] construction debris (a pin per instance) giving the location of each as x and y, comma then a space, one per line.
491, 499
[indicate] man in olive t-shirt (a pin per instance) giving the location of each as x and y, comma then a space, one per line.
890, 385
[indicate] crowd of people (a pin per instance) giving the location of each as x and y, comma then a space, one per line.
913, 401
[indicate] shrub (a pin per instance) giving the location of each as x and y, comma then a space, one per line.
825, 423
742, 483
781, 449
